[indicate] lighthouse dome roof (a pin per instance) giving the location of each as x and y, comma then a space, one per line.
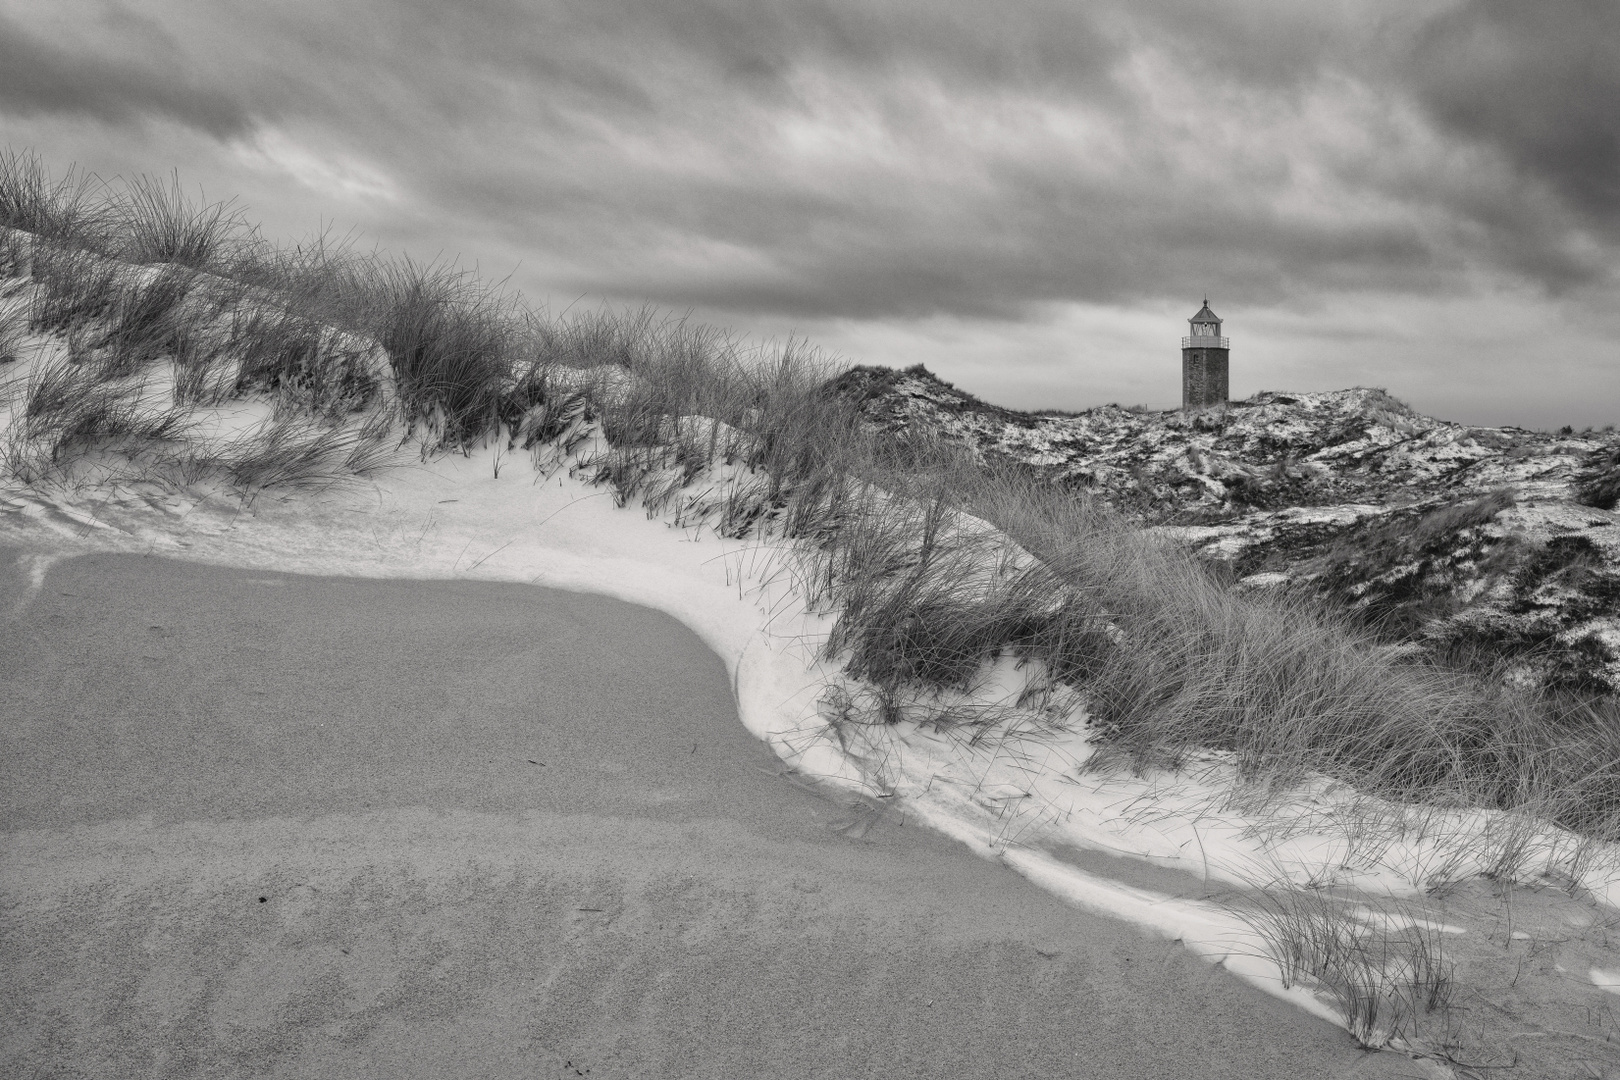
1205, 315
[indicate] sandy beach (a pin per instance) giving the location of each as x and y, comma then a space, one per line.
258, 824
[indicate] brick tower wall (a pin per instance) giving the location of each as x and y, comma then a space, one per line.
1203, 378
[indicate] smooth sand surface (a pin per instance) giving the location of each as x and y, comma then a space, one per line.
264, 825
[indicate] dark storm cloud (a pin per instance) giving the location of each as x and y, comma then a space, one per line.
977, 232
1538, 84
38, 76
1541, 82
1043, 239
987, 232
872, 158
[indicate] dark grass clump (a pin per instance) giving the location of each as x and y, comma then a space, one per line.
544, 409
146, 220
77, 288
13, 327
450, 343
1389, 983
926, 594
72, 210
322, 278
321, 368
1599, 481
16, 253
69, 409
145, 322
695, 397
298, 451
156, 222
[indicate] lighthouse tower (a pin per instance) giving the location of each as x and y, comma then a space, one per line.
1203, 361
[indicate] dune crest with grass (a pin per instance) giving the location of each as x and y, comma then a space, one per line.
1487, 547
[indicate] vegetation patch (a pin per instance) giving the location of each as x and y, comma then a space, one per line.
1599, 479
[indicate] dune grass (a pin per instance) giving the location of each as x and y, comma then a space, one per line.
1387, 972
449, 342
13, 327
64, 408
1600, 480
73, 210
155, 297
77, 287
155, 221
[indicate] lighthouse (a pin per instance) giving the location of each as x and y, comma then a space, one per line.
1203, 361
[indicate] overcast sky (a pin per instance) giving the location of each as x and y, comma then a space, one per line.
1030, 196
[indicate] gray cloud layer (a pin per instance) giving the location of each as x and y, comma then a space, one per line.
39, 76
872, 158
1539, 81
